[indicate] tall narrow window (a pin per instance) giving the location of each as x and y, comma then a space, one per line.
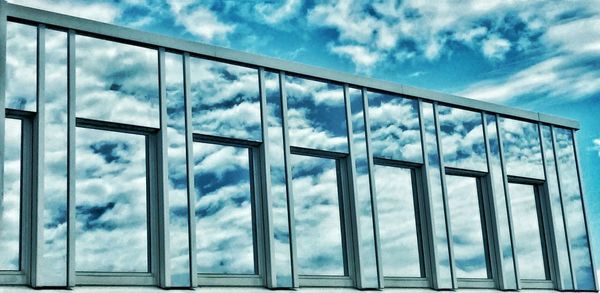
468, 227
10, 201
225, 234
528, 232
112, 202
401, 247
318, 217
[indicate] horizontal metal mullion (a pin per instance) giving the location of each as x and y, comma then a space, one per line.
222, 280
396, 163
464, 172
115, 126
325, 281
524, 180
224, 140
109, 31
19, 114
316, 153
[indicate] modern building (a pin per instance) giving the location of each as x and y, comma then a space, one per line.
132, 158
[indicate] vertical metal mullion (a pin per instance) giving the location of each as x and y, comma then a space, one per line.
444, 194
562, 204
71, 147
584, 209
266, 202
351, 192
508, 201
38, 150
189, 143
491, 196
288, 176
162, 179
3, 39
426, 187
371, 165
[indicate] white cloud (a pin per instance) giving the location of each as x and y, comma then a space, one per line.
199, 21
96, 11
495, 47
360, 55
596, 146
275, 14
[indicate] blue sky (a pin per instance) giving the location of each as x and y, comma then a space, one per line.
541, 56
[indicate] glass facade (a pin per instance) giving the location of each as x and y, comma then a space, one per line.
132, 163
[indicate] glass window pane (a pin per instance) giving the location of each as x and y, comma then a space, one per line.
521, 145
468, 240
179, 253
397, 215
10, 201
21, 66
225, 99
316, 114
528, 238
395, 132
573, 207
317, 216
111, 204
462, 139
224, 222
122, 77
282, 262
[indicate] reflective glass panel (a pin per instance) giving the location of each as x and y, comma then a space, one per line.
362, 192
527, 231
573, 207
225, 99
111, 202
179, 253
397, 215
317, 216
462, 139
468, 238
281, 249
316, 114
224, 222
394, 122
10, 201
122, 77
507, 261
52, 257
21, 66
437, 206
521, 145
555, 200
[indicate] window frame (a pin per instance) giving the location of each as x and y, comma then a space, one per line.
27, 173
258, 217
484, 198
342, 162
154, 233
417, 180
540, 188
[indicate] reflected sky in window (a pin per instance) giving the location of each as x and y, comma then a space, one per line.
527, 233
468, 241
522, 153
223, 212
316, 114
394, 125
21, 59
317, 217
397, 215
111, 202
122, 77
10, 202
225, 99
462, 139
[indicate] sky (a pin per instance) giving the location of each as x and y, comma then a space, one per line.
536, 55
